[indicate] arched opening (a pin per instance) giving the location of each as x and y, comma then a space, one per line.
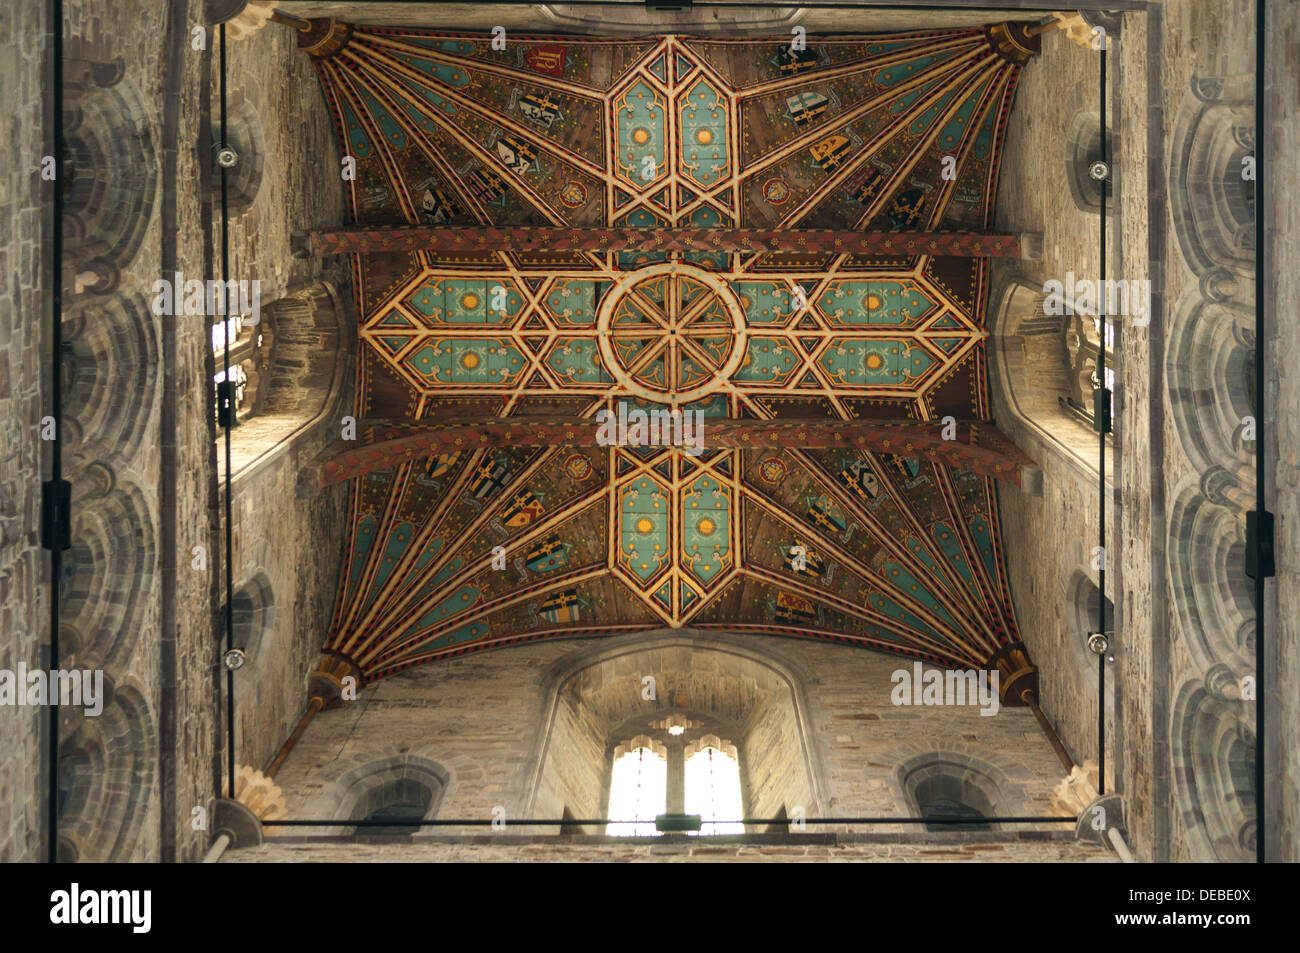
717, 731
1044, 366
398, 791
398, 803
944, 786
713, 786
244, 136
252, 621
638, 788
1088, 144
288, 370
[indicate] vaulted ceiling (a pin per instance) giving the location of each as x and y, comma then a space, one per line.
887, 134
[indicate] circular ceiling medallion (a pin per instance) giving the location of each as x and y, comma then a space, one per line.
671, 332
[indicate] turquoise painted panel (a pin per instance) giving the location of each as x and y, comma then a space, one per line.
764, 302
467, 301
358, 141
874, 303
706, 534
643, 528
391, 129
905, 581
768, 361
467, 361
577, 361
874, 363
573, 301
703, 122
640, 127
456, 603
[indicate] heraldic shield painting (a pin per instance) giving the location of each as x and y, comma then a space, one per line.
774, 258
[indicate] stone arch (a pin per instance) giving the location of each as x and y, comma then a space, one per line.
1214, 772
389, 781
726, 687
1084, 144
1210, 369
106, 781
110, 177
1031, 376
108, 574
1212, 205
950, 776
109, 366
253, 620
1212, 596
1084, 597
244, 135
302, 377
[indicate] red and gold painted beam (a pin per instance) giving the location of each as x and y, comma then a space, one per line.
978, 446
799, 241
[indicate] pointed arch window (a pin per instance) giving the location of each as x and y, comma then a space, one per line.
1084, 342
250, 348
713, 786
638, 788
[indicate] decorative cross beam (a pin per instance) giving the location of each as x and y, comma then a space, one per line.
801, 241
979, 447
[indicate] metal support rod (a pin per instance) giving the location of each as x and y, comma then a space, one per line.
314, 704
1052, 737
299, 24
217, 849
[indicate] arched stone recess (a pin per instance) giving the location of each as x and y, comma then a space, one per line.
106, 781
1084, 598
957, 772
596, 700
1032, 377
302, 378
1214, 771
109, 367
110, 175
1213, 206
108, 574
1084, 146
381, 777
253, 622
1211, 373
1212, 596
244, 135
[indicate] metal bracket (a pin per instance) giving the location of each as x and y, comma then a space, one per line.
56, 514
225, 404
1259, 545
234, 819
1101, 421
1113, 805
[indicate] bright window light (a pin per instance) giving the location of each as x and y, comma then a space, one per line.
713, 791
235, 324
638, 792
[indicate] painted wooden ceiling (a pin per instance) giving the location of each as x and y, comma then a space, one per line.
882, 132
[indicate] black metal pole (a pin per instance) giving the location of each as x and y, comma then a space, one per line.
229, 614
1102, 427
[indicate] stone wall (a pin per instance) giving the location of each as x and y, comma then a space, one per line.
1281, 289
141, 587
278, 122
1049, 538
24, 347
1180, 108
770, 848
483, 718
